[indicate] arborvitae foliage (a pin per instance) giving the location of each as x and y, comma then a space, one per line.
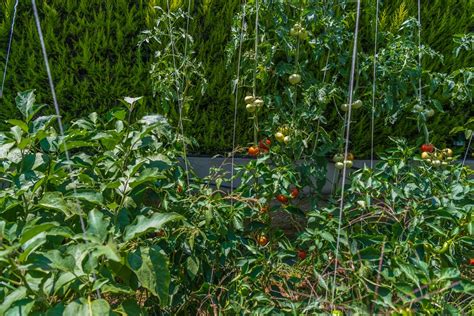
93, 53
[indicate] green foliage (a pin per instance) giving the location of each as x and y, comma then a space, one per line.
93, 53
114, 229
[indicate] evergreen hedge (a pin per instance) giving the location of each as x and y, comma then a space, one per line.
92, 48
95, 60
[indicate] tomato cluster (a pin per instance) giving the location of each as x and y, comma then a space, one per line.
282, 135
434, 156
253, 103
340, 161
298, 31
427, 148
355, 105
294, 193
263, 147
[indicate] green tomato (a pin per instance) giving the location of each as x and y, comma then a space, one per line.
303, 35
357, 104
295, 79
429, 113
249, 99
250, 108
258, 103
338, 158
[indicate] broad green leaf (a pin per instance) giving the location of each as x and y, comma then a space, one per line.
327, 236
20, 124
108, 251
55, 201
83, 307
35, 230
41, 123
89, 196
148, 175
11, 298
142, 224
21, 307
25, 102
98, 225
151, 268
449, 274
192, 266
131, 308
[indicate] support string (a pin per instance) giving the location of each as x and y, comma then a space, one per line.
61, 127
178, 90
374, 80
346, 149
236, 99
10, 38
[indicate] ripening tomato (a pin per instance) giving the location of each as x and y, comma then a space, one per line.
294, 193
348, 163
179, 189
301, 254
253, 151
262, 240
448, 152
264, 209
350, 156
425, 155
264, 144
427, 148
258, 103
280, 137
282, 199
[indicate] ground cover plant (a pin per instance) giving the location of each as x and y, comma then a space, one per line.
106, 217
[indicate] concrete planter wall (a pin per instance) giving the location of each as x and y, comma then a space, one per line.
202, 165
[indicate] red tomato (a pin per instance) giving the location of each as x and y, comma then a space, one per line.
427, 148
301, 254
471, 261
264, 144
253, 151
294, 193
282, 199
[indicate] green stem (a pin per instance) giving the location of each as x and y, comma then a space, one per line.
426, 133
